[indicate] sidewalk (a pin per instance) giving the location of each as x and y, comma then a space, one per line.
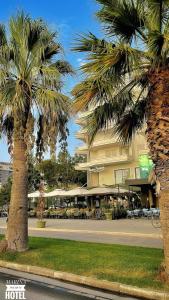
123, 225
136, 232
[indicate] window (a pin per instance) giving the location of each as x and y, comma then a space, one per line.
121, 175
137, 173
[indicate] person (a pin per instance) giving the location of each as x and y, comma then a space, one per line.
7, 213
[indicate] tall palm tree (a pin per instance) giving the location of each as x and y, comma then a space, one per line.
126, 79
32, 106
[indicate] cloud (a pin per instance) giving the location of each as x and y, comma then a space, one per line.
81, 62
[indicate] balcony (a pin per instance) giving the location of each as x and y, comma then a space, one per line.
103, 162
81, 134
103, 142
143, 152
82, 149
81, 118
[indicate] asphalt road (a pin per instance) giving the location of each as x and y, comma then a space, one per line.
35, 291
137, 232
38, 287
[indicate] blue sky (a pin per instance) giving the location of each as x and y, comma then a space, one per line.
69, 18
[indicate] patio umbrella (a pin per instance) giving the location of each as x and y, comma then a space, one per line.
36, 194
104, 191
56, 192
79, 191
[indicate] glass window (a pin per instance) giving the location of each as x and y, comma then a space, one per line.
121, 175
137, 173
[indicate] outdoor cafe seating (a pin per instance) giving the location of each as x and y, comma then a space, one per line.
144, 213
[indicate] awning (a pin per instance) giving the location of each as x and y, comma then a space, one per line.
137, 182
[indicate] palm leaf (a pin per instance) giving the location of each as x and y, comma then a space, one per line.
31, 83
131, 121
63, 67
90, 43
122, 18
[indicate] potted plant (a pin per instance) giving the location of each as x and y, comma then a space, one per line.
108, 212
41, 207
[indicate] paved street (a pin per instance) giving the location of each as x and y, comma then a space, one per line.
136, 232
38, 287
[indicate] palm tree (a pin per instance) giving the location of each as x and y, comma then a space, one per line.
32, 106
126, 79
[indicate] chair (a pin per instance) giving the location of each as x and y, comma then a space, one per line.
137, 213
88, 214
60, 214
130, 214
69, 213
145, 212
76, 214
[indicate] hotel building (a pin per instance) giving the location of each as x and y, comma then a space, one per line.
109, 162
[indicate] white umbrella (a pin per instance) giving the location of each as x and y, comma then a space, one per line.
36, 194
79, 191
55, 193
104, 191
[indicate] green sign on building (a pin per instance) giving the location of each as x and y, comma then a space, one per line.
145, 165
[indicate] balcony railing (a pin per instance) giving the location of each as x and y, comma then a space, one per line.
81, 134
82, 149
103, 142
103, 161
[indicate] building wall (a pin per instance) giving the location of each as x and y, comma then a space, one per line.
107, 176
114, 160
5, 172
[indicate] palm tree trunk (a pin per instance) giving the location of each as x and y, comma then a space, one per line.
158, 139
18, 220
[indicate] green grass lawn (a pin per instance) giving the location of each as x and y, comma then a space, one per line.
126, 264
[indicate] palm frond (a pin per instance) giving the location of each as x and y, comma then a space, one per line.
156, 42
90, 43
119, 60
83, 94
50, 100
124, 122
50, 77
131, 121
31, 82
7, 125
122, 18
95, 91
3, 39
63, 67
103, 115
157, 14
118, 69
34, 35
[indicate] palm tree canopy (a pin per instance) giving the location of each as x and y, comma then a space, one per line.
118, 69
31, 101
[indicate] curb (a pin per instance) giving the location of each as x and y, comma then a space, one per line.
87, 281
112, 233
